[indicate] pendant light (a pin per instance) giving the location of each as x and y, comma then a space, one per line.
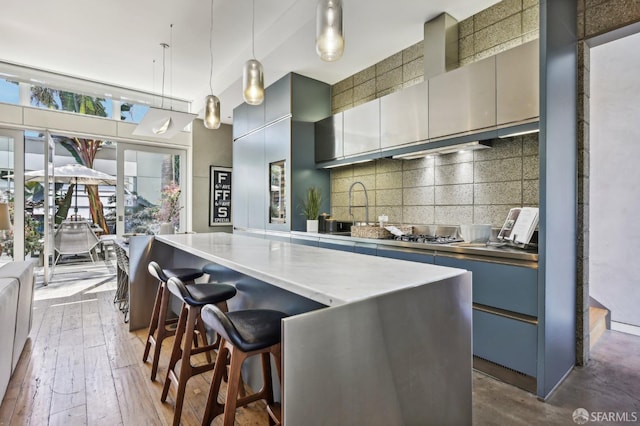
252, 72
329, 37
160, 122
211, 102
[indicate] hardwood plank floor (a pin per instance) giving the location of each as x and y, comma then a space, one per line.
82, 366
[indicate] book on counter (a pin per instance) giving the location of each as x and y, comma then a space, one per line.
519, 226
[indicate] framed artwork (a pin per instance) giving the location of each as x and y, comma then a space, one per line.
219, 196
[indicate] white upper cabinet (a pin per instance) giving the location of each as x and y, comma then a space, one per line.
404, 116
463, 100
518, 84
362, 128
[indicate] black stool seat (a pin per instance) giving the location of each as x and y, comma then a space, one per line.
221, 274
249, 330
185, 274
202, 294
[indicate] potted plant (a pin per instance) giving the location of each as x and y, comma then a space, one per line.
311, 208
168, 213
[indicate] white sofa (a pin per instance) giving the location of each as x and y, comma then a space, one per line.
16, 307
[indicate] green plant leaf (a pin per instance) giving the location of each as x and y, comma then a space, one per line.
311, 205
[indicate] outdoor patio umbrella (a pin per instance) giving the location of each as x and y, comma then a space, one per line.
72, 173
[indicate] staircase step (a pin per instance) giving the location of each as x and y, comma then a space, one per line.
597, 324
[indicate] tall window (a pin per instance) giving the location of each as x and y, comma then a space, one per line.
9, 92
153, 195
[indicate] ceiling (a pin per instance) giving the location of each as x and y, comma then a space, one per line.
117, 41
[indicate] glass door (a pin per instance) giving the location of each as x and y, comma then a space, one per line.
30, 202
11, 203
150, 183
38, 199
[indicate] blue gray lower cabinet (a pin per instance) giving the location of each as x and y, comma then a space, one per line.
406, 254
305, 242
506, 336
337, 245
508, 287
505, 341
364, 248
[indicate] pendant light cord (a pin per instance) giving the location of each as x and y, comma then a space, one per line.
164, 49
253, 29
211, 50
164, 64
171, 61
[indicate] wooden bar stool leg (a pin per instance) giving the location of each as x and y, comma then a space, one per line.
275, 409
153, 325
185, 363
176, 353
213, 408
162, 333
237, 358
202, 332
267, 384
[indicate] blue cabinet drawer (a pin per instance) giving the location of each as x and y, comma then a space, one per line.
305, 242
347, 246
505, 341
365, 248
412, 255
513, 288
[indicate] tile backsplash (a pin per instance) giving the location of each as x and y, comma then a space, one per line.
466, 187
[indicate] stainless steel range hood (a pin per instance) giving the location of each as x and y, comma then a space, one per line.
440, 45
447, 149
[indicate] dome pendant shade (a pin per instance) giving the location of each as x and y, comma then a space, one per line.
212, 112
253, 82
329, 37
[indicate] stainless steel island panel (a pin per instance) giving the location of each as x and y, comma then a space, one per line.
396, 359
393, 345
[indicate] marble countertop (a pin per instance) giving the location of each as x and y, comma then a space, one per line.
327, 276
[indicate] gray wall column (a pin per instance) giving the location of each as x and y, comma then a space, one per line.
558, 195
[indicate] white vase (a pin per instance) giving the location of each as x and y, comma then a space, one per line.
312, 226
166, 228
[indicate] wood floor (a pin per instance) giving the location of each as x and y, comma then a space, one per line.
82, 366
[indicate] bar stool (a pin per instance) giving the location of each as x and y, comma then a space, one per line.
244, 334
159, 325
193, 297
221, 274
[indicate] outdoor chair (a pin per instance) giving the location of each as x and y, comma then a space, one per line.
75, 238
122, 292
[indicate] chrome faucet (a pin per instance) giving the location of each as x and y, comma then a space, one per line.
366, 202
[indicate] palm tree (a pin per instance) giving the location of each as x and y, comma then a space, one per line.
68, 101
83, 150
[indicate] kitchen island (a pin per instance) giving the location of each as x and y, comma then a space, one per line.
389, 345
